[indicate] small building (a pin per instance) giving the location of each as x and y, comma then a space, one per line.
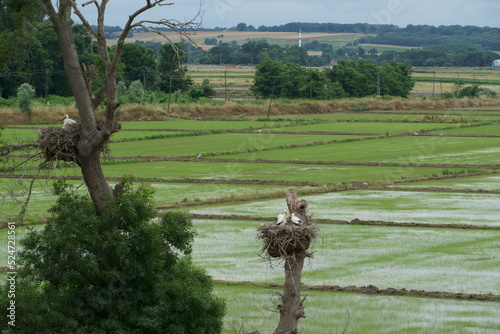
496, 63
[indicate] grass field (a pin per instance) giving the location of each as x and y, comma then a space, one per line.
404, 200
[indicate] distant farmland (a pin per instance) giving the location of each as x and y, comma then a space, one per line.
280, 38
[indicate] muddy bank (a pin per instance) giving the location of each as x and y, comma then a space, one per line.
373, 290
355, 221
302, 162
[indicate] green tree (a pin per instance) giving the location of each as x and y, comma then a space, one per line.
140, 64
241, 26
220, 54
136, 93
395, 79
173, 76
120, 272
121, 91
292, 80
317, 86
25, 95
297, 55
267, 78
19, 21
353, 81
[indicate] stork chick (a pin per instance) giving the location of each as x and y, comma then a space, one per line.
281, 218
296, 220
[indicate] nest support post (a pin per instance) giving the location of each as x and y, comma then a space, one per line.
291, 308
289, 243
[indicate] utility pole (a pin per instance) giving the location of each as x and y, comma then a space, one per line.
271, 99
169, 93
378, 82
47, 86
433, 83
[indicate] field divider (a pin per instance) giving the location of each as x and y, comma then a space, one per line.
325, 187
303, 162
373, 290
355, 221
323, 221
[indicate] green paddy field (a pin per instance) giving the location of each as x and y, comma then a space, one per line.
405, 202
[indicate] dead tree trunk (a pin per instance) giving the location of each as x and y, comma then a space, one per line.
291, 308
290, 242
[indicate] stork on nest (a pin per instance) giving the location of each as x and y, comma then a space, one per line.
286, 240
287, 237
62, 143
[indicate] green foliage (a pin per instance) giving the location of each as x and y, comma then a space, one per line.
347, 78
359, 79
139, 63
121, 91
488, 92
136, 93
204, 90
25, 95
117, 273
172, 74
474, 90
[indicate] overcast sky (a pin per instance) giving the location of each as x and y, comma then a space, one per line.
228, 13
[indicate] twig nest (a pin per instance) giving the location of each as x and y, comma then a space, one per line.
285, 240
58, 143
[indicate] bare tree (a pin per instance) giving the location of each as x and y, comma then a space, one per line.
93, 134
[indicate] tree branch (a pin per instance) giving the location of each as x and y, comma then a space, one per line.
83, 19
7, 149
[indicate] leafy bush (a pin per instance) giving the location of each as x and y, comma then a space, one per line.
25, 95
121, 272
488, 92
204, 90
121, 91
136, 93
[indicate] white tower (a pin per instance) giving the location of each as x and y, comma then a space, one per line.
300, 37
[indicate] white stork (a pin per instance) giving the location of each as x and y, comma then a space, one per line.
67, 122
296, 220
199, 155
281, 218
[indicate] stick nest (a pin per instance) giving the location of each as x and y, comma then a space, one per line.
286, 240
62, 144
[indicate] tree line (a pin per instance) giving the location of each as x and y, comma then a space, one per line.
411, 35
253, 52
347, 79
